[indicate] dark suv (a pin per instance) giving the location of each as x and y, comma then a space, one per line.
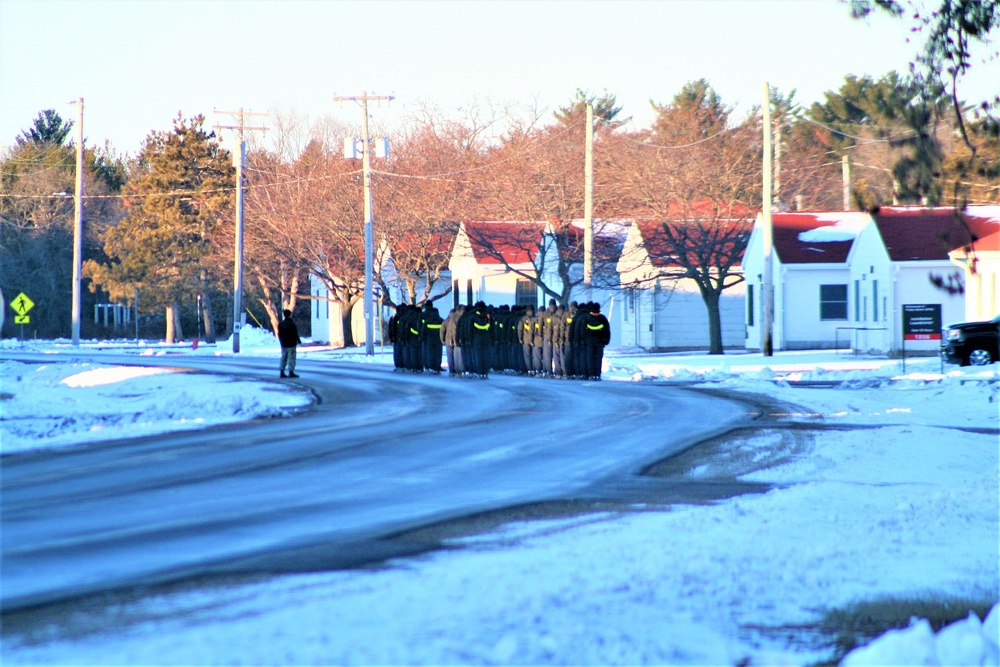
971, 343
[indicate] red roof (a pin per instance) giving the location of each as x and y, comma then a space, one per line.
989, 243
815, 237
504, 242
707, 241
914, 234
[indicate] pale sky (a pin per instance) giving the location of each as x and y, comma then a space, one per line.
136, 64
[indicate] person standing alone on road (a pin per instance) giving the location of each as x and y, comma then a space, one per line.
288, 336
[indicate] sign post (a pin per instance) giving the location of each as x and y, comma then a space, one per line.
21, 304
920, 322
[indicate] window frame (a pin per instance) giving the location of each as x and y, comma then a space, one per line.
828, 302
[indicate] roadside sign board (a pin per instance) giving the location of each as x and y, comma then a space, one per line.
22, 304
922, 321
22, 319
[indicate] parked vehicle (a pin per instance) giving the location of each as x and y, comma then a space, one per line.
971, 343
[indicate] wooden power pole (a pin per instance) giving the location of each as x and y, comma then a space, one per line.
767, 298
239, 161
366, 168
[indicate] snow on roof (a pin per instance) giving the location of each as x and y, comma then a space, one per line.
816, 237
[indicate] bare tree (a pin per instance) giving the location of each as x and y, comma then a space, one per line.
702, 188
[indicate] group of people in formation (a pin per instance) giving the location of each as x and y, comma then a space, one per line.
554, 342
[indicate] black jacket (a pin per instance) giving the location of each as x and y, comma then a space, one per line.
288, 333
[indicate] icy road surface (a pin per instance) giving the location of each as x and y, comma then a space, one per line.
380, 452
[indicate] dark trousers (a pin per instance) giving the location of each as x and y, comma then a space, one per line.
397, 355
482, 349
595, 357
569, 360
526, 353
547, 357
432, 355
411, 356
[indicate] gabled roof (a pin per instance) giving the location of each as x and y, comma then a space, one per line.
494, 242
989, 243
662, 253
816, 237
927, 234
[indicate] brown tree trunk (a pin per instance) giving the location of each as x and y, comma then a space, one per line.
175, 331
714, 323
206, 310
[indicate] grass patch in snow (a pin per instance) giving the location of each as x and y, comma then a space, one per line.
862, 622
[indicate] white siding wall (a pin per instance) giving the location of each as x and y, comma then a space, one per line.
802, 327
912, 286
870, 293
982, 289
326, 326
680, 319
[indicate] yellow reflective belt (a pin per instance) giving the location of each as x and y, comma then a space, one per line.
414, 331
481, 327
433, 326
593, 328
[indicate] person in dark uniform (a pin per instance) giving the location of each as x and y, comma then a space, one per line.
578, 342
430, 338
397, 345
288, 336
596, 335
481, 336
567, 341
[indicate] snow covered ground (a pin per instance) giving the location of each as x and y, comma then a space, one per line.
905, 508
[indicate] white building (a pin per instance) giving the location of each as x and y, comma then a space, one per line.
841, 278
664, 310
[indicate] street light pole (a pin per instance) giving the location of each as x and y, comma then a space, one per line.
78, 224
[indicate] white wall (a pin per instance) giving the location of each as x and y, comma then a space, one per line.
799, 306
913, 286
679, 317
871, 299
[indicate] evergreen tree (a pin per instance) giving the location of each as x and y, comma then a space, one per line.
37, 218
48, 128
605, 109
181, 189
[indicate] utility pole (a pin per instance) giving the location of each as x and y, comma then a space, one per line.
369, 223
767, 298
78, 224
777, 160
588, 205
846, 165
239, 161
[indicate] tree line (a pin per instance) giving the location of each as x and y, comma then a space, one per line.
160, 225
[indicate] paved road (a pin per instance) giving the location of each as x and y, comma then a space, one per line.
381, 452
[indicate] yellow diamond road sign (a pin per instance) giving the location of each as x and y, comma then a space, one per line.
22, 304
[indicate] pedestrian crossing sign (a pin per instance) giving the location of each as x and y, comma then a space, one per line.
22, 319
21, 305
